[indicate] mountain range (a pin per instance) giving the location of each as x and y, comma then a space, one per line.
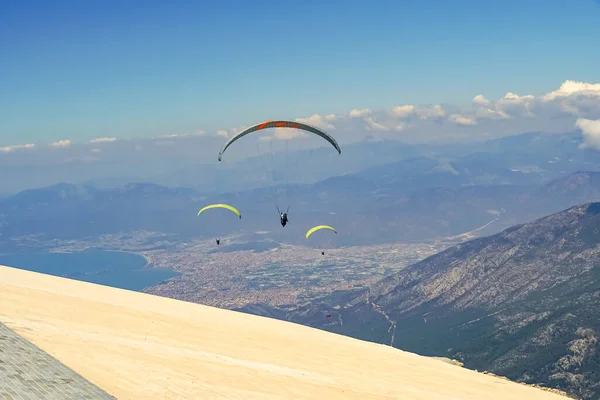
546, 155
523, 303
365, 211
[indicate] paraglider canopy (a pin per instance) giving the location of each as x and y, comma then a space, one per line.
226, 206
281, 124
319, 227
283, 175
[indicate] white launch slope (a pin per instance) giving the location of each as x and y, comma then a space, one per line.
139, 346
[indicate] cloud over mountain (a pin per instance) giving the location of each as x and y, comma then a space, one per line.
61, 143
573, 105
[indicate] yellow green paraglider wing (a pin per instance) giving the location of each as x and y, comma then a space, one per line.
318, 227
227, 206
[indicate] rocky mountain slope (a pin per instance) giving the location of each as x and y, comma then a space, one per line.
524, 303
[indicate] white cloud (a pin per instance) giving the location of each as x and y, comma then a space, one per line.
61, 143
422, 112
182, 135
515, 105
462, 120
480, 100
515, 98
9, 149
572, 98
570, 88
579, 99
356, 113
287, 133
490, 113
509, 106
373, 125
403, 111
317, 121
430, 112
512, 113
557, 110
590, 130
103, 140
223, 133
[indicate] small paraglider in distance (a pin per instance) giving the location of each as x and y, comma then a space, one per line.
319, 227
225, 206
328, 316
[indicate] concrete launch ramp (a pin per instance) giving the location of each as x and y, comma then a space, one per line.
138, 346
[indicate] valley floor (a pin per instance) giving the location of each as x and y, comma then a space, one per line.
278, 275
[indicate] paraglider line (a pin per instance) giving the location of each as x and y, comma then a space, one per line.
273, 197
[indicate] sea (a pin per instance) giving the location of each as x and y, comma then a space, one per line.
110, 268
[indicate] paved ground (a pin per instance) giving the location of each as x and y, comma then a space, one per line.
27, 372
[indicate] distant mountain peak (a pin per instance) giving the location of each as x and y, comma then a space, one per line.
150, 188
579, 183
60, 190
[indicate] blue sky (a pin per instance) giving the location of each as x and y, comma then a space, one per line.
86, 69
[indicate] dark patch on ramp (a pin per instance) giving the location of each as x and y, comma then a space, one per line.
27, 372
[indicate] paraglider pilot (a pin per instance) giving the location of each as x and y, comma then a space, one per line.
283, 217
218, 242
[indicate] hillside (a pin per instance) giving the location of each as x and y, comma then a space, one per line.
524, 303
366, 210
135, 345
